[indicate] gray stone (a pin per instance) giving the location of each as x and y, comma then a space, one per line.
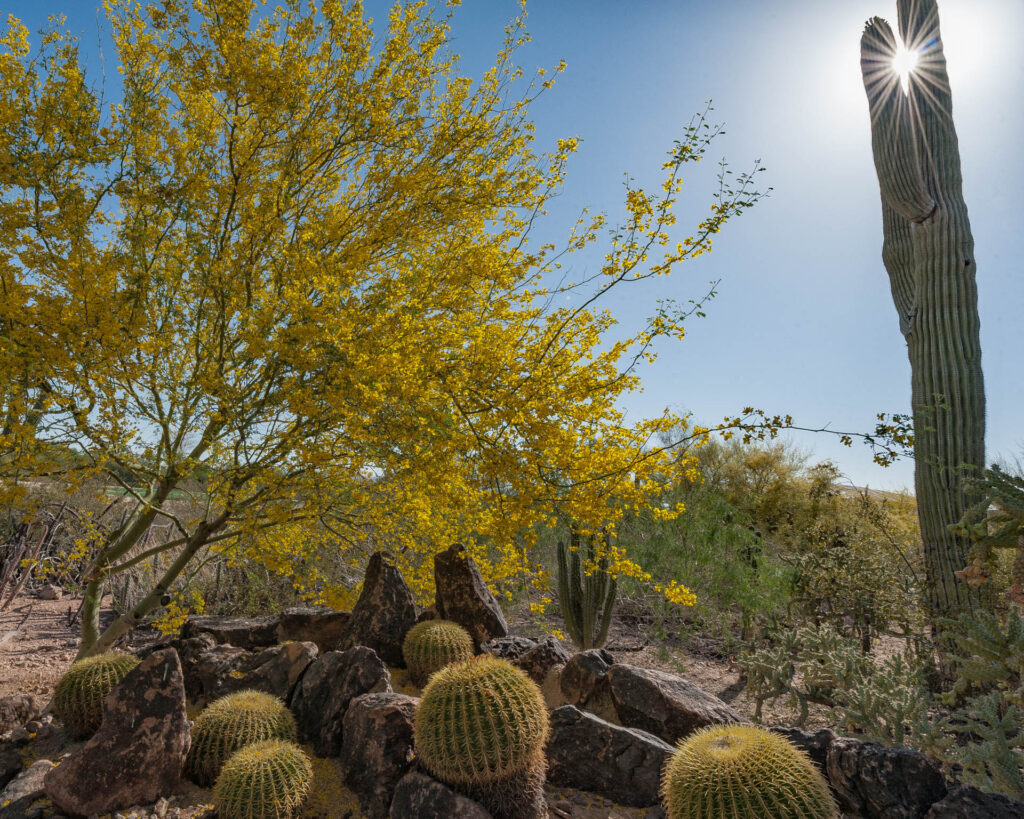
244, 632
378, 748
965, 802
383, 614
322, 626
327, 688
225, 669
419, 796
664, 704
623, 764
540, 659
138, 753
24, 789
463, 597
586, 675
883, 783
51, 591
509, 648
17, 710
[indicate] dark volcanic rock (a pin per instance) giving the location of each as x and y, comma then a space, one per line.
419, 796
463, 597
328, 687
244, 632
383, 614
24, 789
816, 745
623, 764
312, 625
225, 669
584, 680
10, 762
509, 648
965, 802
883, 783
15, 711
138, 753
377, 749
664, 704
540, 659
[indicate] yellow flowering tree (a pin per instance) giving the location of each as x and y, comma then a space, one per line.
281, 291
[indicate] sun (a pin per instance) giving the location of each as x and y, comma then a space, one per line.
904, 62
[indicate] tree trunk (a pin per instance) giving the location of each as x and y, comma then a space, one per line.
928, 253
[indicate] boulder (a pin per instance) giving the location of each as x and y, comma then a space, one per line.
322, 626
225, 669
323, 694
16, 710
883, 783
51, 591
383, 614
189, 650
623, 764
664, 704
965, 802
509, 648
24, 789
540, 659
419, 796
10, 761
584, 682
463, 597
138, 753
815, 745
377, 749
244, 632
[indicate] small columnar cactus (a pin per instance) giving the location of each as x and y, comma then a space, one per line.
268, 780
743, 771
232, 723
431, 645
78, 697
481, 727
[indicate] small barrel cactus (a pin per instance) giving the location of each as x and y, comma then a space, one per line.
234, 722
268, 780
743, 771
78, 697
481, 727
431, 645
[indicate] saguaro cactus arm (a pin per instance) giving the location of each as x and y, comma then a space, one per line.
928, 253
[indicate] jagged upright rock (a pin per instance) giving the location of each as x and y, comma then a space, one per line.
463, 596
138, 753
383, 614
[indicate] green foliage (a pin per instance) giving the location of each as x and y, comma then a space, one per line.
993, 757
78, 697
231, 723
479, 722
586, 592
741, 771
268, 780
431, 645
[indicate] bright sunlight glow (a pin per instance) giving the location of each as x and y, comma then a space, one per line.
903, 64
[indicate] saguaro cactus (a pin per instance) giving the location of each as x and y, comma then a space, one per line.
928, 253
586, 599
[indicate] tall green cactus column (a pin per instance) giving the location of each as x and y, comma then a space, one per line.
928, 252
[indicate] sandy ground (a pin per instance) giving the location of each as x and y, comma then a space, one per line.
36, 645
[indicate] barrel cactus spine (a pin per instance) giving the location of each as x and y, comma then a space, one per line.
79, 694
431, 645
267, 780
234, 722
743, 772
481, 727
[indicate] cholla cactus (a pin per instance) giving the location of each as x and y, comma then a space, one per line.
743, 772
231, 723
78, 697
268, 780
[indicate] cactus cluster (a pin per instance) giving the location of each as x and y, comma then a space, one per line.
481, 726
431, 645
234, 722
268, 780
743, 771
586, 592
78, 697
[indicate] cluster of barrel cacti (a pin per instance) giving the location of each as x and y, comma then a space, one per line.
244, 745
78, 697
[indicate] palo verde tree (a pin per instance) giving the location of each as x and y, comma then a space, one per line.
928, 253
282, 289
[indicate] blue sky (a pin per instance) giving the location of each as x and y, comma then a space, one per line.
803, 323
